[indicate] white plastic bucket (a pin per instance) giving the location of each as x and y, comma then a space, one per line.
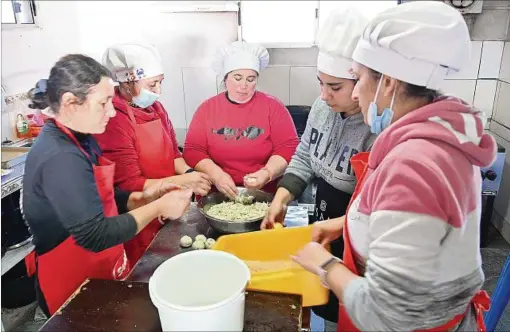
201, 290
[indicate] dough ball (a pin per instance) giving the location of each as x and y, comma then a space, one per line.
209, 243
186, 241
198, 245
278, 225
200, 237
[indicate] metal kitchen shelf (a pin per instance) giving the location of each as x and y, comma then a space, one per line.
14, 256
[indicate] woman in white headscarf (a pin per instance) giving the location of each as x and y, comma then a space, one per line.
412, 258
241, 137
335, 131
140, 139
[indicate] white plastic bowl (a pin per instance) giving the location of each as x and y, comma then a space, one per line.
201, 290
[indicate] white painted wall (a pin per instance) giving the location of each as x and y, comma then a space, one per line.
187, 43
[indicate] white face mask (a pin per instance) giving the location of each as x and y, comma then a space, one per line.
145, 99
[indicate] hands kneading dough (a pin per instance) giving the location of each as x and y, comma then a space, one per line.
201, 242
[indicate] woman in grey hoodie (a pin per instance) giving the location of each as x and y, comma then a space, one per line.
335, 131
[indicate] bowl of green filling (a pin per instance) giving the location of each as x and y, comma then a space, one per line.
244, 214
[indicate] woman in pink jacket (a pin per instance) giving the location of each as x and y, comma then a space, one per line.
412, 258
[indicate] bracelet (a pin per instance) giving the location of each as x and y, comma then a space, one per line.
190, 170
325, 267
268, 172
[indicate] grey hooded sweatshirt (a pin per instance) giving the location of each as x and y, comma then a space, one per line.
325, 150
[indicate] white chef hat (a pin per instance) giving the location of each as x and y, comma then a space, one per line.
419, 42
337, 39
240, 55
133, 62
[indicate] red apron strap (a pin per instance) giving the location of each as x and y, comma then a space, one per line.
359, 164
481, 302
72, 138
130, 113
30, 264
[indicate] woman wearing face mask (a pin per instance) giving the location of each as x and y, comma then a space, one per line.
412, 258
241, 136
334, 133
141, 139
69, 200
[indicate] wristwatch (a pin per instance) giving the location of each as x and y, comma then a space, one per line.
325, 267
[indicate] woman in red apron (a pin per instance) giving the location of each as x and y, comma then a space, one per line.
69, 198
411, 233
141, 139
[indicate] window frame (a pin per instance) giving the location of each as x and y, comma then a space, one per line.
280, 44
288, 44
34, 8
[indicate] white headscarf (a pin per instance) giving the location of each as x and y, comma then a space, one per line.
133, 62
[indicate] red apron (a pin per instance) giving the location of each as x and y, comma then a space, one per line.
63, 269
480, 301
156, 159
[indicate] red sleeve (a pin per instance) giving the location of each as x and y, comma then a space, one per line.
118, 145
283, 131
195, 146
171, 132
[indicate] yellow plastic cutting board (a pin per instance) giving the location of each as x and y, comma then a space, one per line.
267, 253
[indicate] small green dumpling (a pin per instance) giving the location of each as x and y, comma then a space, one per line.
198, 245
209, 243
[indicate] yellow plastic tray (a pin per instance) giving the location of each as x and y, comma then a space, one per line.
268, 249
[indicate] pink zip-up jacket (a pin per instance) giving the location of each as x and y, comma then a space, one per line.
414, 227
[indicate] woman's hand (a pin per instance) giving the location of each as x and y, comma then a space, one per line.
174, 204
198, 181
275, 214
226, 185
327, 231
155, 191
312, 256
257, 180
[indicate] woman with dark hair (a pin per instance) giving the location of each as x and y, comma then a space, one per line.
335, 131
141, 139
241, 137
79, 220
411, 234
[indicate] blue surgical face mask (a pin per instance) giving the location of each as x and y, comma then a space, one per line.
378, 122
145, 99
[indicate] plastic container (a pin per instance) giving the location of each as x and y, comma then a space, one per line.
277, 246
201, 290
22, 126
297, 216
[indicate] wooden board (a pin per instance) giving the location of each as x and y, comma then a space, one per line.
12, 156
105, 305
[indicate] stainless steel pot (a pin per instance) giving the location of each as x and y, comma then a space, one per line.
227, 226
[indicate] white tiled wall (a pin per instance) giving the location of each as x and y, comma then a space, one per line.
500, 127
199, 85
490, 62
470, 71
485, 92
504, 73
464, 89
304, 87
502, 107
276, 81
